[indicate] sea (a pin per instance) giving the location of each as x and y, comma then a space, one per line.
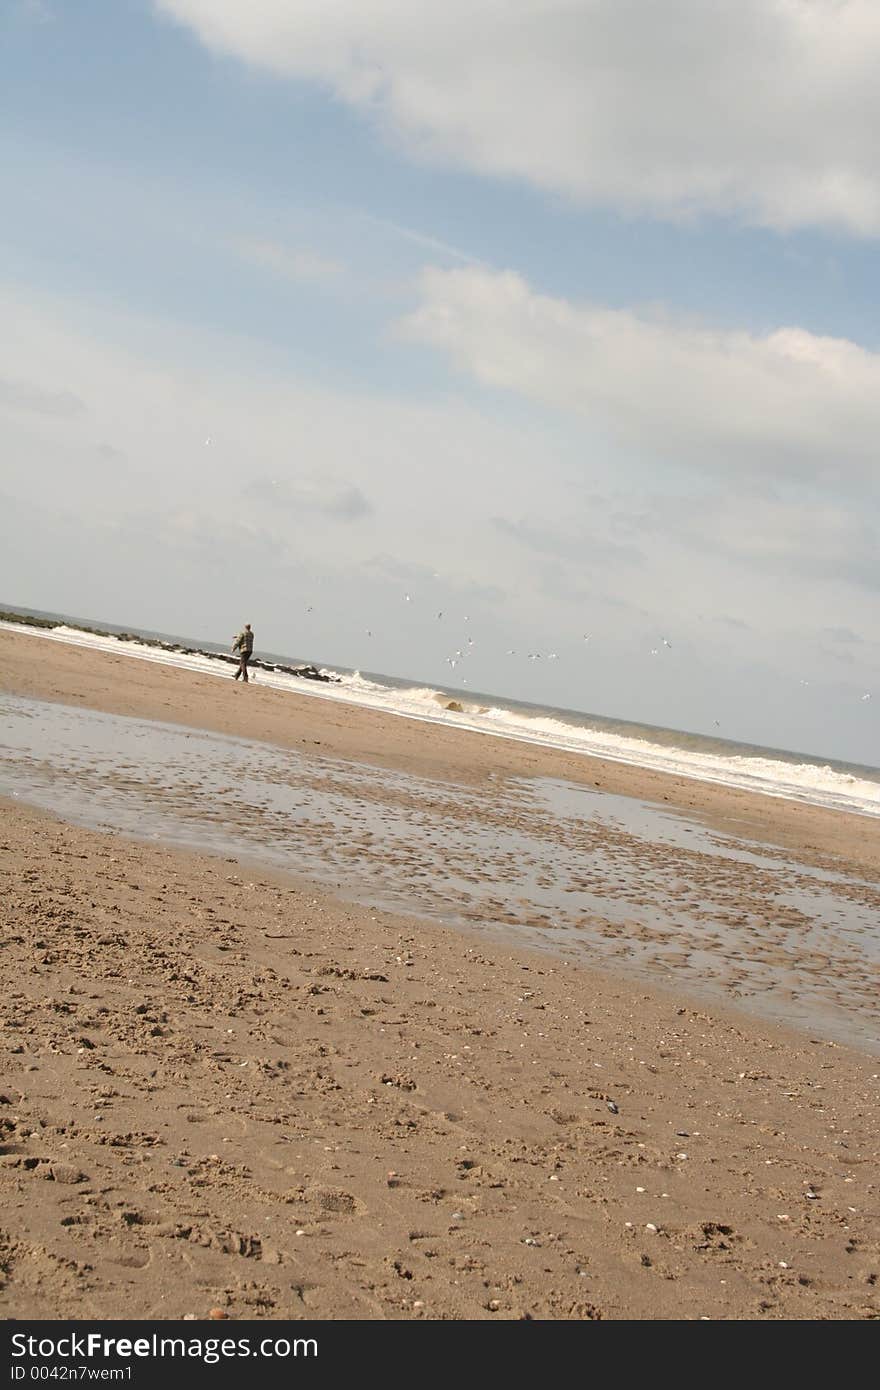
769, 771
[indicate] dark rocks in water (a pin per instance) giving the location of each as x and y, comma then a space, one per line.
29, 620
311, 673
308, 672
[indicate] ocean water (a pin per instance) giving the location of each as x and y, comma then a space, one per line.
769, 771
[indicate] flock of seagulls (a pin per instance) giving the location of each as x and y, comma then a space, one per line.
533, 656
460, 654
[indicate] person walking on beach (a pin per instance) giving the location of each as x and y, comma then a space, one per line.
244, 645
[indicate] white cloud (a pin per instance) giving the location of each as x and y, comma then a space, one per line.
24, 395
762, 108
202, 420
328, 497
817, 540
786, 402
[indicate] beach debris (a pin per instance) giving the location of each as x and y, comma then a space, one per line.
218, 1314
612, 1107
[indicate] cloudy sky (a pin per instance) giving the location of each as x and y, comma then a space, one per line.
557, 314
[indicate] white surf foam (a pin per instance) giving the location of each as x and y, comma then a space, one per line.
817, 784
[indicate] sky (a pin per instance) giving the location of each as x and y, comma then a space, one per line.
555, 317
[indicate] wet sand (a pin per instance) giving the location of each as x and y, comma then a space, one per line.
594, 877
226, 1086
50, 670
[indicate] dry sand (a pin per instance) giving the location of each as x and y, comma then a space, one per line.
224, 1087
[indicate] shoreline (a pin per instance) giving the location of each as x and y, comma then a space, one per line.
652, 755
106, 682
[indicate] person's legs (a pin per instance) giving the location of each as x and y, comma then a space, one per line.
245, 658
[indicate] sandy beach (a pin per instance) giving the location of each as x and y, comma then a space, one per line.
233, 1086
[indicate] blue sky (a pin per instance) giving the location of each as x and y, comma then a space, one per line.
461, 317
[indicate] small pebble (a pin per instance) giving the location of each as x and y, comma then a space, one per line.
218, 1314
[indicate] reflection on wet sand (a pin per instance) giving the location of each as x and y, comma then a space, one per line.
591, 876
